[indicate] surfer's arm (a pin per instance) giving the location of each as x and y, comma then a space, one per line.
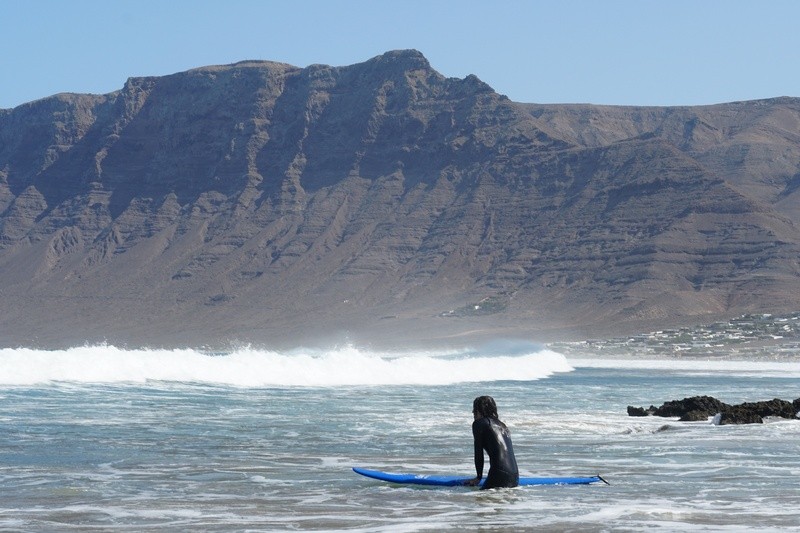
476, 434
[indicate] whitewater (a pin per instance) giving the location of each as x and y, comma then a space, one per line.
104, 438
248, 367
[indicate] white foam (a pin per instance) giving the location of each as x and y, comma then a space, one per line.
254, 368
787, 369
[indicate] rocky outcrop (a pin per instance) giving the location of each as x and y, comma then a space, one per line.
700, 408
261, 202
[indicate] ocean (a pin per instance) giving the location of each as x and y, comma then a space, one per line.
106, 439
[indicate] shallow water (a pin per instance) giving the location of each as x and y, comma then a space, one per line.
194, 454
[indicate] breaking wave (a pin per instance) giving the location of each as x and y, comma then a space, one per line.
249, 367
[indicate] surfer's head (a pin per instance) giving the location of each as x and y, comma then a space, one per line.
484, 406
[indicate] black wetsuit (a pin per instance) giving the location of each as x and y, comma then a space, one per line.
493, 436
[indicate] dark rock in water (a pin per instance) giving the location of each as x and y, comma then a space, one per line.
740, 415
641, 411
774, 407
637, 411
699, 408
694, 416
704, 404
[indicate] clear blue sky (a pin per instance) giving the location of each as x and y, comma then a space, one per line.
636, 52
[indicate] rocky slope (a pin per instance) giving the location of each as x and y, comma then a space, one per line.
260, 202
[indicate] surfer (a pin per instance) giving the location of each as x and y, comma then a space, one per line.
493, 436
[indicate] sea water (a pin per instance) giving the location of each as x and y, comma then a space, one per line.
106, 439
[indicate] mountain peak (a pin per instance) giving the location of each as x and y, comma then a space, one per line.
409, 59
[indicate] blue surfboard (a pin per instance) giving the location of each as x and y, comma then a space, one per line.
460, 481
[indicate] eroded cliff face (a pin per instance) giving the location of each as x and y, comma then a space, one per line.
266, 203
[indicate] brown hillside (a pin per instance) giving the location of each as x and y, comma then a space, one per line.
382, 202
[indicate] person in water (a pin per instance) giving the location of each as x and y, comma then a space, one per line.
493, 436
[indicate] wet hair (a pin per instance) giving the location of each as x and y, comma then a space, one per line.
485, 406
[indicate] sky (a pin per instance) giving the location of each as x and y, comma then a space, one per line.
616, 52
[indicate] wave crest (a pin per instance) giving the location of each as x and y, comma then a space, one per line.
249, 367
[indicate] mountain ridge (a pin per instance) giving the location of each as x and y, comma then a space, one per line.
383, 202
